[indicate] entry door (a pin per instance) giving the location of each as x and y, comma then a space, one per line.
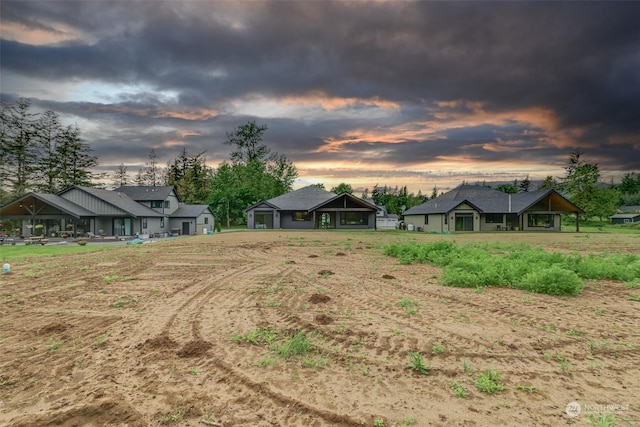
464, 222
185, 228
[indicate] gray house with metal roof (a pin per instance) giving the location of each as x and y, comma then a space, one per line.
312, 208
86, 211
477, 208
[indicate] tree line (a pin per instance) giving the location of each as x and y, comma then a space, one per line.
38, 154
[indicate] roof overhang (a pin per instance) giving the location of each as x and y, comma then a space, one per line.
353, 198
557, 203
32, 204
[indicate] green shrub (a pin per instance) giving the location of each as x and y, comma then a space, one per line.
553, 281
82, 242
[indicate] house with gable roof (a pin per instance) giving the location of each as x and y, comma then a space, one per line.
312, 208
478, 208
79, 211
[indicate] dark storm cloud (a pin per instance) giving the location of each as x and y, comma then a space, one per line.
577, 60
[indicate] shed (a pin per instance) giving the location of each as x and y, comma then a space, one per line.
625, 218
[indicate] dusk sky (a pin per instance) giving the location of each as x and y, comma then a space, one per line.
421, 94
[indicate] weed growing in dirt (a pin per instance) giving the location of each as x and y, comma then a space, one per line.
272, 303
266, 335
635, 297
266, 362
417, 363
572, 333
516, 266
54, 345
378, 422
458, 389
489, 381
564, 362
408, 421
466, 368
119, 303
527, 388
298, 344
635, 284
102, 339
111, 278
5, 382
605, 420
315, 362
409, 304
553, 281
195, 371
437, 348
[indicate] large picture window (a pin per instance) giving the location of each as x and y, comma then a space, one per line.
494, 218
156, 204
540, 220
301, 216
354, 218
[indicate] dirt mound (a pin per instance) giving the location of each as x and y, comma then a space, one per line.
313, 256
323, 319
341, 254
325, 273
319, 298
194, 349
161, 342
53, 328
388, 277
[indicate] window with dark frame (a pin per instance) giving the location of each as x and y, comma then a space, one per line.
426, 220
144, 222
354, 218
156, 204
206, 220
540, 220
494, 218
167, 204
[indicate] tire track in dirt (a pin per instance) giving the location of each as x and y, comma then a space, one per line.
176, 326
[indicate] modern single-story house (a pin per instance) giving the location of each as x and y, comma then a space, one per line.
311, 208
625, 218
80, 211
478, 208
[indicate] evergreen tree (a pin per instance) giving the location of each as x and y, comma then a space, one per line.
120, 176
19, 150
191, 176
48, 138
75, 162
525, 185
151, 172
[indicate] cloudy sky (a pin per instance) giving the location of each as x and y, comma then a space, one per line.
421, 94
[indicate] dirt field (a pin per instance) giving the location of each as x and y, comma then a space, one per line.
157, 334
